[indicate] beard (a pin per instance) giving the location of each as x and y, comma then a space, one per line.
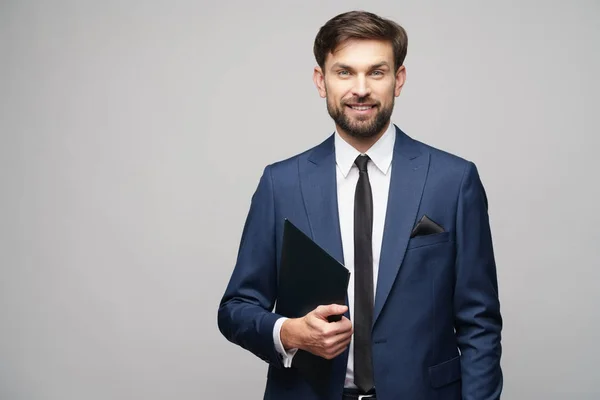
360, 127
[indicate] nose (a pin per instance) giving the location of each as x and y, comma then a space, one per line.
361, 87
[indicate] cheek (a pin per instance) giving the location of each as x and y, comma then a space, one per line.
338, 90
385, 93
334, 98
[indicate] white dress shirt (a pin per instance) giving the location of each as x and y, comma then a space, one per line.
379, 169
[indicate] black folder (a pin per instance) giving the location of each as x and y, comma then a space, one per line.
309, 277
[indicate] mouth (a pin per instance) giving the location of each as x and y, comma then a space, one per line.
361, 108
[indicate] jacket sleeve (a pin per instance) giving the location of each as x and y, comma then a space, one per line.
245, 314
478, 322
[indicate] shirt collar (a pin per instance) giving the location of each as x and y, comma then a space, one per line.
380, 153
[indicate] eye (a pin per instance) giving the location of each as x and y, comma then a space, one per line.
343, 72
377, 72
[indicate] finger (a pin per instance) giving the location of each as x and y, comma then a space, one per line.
331, 309
334, 344
316, 323
345, 325
336, 328
339, 349
328, 329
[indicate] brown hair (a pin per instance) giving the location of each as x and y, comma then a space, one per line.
359, 25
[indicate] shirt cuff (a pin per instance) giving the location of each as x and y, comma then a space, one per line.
286, 356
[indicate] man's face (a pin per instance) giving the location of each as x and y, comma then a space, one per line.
359, 83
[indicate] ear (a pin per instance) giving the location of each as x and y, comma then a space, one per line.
319, 80
400, 79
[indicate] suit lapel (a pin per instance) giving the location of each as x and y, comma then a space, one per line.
409, 172
319, 190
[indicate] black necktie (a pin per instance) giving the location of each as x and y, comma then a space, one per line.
363, 278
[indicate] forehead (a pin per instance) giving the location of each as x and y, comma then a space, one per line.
361, 53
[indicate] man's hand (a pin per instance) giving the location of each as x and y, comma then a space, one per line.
313, 333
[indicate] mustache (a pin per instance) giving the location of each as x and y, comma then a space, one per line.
361, 100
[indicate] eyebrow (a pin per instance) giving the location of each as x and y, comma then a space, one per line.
345, 66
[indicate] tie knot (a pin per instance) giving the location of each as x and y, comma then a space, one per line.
361, 162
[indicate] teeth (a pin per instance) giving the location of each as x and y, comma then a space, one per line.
363, 108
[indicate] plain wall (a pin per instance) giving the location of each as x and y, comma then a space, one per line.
133, 134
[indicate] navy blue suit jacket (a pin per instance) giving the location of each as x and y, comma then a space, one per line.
437, 323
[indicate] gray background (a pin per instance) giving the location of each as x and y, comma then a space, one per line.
133, 135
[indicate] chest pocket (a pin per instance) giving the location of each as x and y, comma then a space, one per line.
428, 240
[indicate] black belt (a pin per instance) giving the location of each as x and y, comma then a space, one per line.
355, 394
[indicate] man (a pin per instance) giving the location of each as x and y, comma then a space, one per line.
409, 221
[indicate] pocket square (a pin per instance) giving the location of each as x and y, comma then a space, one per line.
426, 226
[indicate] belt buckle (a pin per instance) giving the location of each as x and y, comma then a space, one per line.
365, 396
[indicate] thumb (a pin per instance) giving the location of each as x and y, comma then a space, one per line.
331, 309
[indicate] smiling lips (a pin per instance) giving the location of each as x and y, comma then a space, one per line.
361, 107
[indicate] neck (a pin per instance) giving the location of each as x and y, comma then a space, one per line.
362, 144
